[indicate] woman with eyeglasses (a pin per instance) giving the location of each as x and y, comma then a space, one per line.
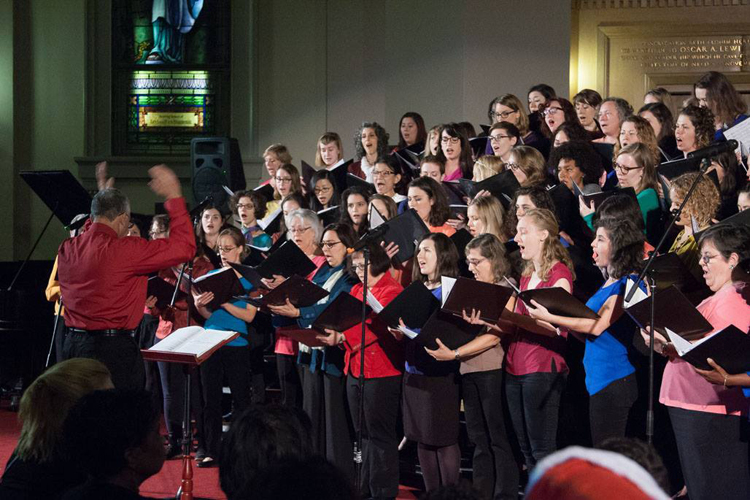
635, 167
322, 368
288, 180
503, 137
304, 230
387, 176
325, 192
495, 469
707, 408
455, 151
370, 143
169, 319
556, 112
427, 197
250, 206
231, 361
695, 217
383, 367
509, 109
535, 366
610, 375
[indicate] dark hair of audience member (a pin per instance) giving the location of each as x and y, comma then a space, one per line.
262, 436
619, 206
104, 426
643, 454
313, 478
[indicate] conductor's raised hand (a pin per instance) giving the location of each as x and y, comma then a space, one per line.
102, 181
164, 182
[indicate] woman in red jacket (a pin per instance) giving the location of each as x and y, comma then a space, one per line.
384, 362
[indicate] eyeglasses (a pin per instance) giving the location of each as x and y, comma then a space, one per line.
496, 138
329, 244
624, 169
323, 190
513, 166
248, 206
475, 263
358, 267
298, 230
552, 110
504, 114
707, 258
451, 140
227, 249
283, 180
382, 173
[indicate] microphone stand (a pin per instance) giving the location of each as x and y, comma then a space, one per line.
54, 333
705, 163
361, 382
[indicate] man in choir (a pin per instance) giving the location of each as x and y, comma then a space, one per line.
103, 277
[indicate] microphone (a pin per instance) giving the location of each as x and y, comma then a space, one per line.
368, 237
715, 149
196, 212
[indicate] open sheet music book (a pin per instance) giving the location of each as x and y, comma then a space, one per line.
190, 345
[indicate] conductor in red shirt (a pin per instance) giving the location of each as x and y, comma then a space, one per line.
103, 277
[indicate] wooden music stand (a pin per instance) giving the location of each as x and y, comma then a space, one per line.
189, 346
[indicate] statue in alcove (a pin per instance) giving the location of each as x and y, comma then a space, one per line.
171, 21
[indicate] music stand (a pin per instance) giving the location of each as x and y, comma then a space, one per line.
189, 363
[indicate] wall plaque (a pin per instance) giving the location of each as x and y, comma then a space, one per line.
681, 54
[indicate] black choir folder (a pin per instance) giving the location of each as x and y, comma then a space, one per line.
558, 301
340, 314
502, 186
190, 345
299, 291
729, 348
163, 292
250, 274
463, 294
286, 261
450, 329
405, 230
223, 283
672, 310
414, 305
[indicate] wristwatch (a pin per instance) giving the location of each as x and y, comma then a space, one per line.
456, 355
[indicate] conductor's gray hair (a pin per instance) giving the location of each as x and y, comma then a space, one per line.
109, 203
306, 216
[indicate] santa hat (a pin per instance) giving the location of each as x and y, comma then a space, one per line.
587, 474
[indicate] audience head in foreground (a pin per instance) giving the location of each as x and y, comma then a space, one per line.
260, 437
114, 436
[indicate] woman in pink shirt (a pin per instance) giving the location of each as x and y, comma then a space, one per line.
709, 415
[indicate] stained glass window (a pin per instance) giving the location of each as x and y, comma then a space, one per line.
170, 63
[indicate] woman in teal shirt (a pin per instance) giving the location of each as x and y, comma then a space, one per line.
232, 360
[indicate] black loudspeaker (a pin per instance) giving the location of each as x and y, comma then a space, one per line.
217, 164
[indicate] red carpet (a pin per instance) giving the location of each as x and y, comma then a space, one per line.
162, 485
